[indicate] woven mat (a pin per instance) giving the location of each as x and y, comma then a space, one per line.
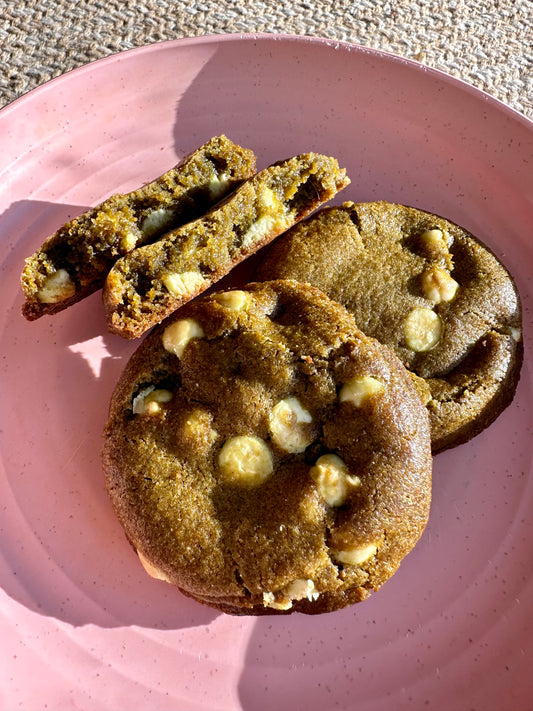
488, 43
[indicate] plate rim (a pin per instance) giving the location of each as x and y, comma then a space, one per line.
231, 37
76, 72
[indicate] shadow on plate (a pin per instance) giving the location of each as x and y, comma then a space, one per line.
64, 551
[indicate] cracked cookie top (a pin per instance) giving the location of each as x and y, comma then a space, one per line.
265, 456
426, 288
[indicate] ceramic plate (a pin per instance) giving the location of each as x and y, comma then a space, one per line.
82, 626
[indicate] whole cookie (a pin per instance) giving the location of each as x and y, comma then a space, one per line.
426, 288
265, 456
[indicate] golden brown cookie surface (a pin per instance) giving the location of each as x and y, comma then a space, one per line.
426, 288
265, 456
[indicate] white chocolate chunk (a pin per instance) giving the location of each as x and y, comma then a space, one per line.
271, 218
301, 588
269, 200
422, 329
56, 287
261, 228
218, 186
245, 459
360, 389
156, 220
184, 284
516, 333
151, 569
287, 425
332, 479
176, 336
270, 601
438, 285
235, 300
296, 590
147, 401
355, 556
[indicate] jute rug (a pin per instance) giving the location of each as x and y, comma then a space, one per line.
487, 43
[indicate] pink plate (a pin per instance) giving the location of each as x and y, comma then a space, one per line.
82, 626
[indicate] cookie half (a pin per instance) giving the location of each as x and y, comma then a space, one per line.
426, 288
75, 260
150, 283
265, 456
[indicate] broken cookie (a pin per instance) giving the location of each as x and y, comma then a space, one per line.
75, 260
148, 284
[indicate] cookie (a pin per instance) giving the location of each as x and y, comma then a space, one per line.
265, 456
74, 261
147, 285
426, 288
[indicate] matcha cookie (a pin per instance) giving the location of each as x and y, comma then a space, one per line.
426, 288
265, 456
147, 285
75, 260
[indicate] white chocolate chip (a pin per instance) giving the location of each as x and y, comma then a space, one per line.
516, 333
151, 569
360, 389
184, 284
434, 245
435, 242
176, 336
56, 287
245, 459
147, 401
434, 235
235, 300
438, 285
296, 590
332, 479
156, 221
287, 425
355, 556
422, 329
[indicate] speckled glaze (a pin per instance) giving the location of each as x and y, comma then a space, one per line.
82, 626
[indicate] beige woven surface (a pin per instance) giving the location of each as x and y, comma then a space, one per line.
488, 43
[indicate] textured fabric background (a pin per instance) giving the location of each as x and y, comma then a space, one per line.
488, 43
